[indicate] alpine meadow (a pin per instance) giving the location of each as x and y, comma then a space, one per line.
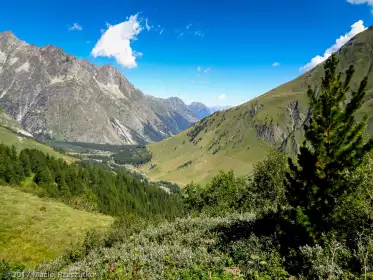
186, 172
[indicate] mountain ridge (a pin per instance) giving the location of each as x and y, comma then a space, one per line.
239, 137
56, 95
200, 110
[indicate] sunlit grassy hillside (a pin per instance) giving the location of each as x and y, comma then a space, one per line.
239, 137
9, 137
11, 133
33, 229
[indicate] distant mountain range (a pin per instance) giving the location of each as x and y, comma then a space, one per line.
219, 108
202, 111
55, 95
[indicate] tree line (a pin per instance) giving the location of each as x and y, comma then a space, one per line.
138, 156
86, 185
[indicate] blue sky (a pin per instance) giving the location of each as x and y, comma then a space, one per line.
213, 51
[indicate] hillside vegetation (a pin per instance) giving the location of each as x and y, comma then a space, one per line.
9, 137
92, 187
11, 133
239, 137
304, 217
50, 207
33, 229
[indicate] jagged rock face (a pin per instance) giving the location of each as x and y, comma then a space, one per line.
268, 132
294, 113
255, 108
11, 124
199, 109
54, 94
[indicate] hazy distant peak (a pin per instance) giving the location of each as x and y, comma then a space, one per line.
176, 100
220, 108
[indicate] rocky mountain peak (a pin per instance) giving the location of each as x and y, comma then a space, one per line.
176, 101
53, 50
197, 105
110, 74
52, 53
199, 109
8, 41
8, 33
53, 94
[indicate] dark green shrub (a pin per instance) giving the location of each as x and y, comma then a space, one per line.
267, 188
11, 271
223, 194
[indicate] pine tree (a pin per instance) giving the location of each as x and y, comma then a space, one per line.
25, 162
13, 153
62, 186
10, 175
334, 147
43, 176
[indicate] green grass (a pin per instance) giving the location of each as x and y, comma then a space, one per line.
235, 129
33, 229
240, 148
176, 151
8, 137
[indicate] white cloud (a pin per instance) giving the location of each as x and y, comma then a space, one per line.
222, 96
116, 42
200, 69
359, 2
147, 26
356, 28
276, 64
180, 35
199, 34
188, 26
159, 29
76, 27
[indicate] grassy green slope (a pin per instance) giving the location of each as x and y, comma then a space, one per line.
33, 229
9, 135
239, 137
